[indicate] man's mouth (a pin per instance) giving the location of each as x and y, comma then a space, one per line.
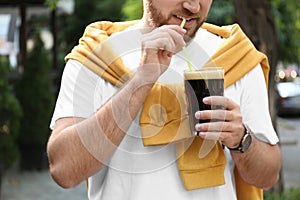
187, 19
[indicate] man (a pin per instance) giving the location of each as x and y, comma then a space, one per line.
111, 122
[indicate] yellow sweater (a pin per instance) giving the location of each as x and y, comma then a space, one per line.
237, 55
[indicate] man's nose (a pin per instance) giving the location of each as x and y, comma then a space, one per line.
192, 5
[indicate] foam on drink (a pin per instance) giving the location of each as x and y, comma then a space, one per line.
205, 74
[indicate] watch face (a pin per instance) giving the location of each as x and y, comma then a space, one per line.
247, 142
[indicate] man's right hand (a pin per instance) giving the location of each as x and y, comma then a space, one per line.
158, 47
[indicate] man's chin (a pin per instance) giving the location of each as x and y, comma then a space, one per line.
189, 36
191, 33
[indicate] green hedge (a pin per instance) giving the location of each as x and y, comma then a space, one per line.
290, 194
34, 91
10, 113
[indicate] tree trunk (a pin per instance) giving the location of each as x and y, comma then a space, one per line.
257, 20
23, 35
1, 176
53, 26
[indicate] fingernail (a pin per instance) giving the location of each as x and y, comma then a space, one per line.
205, 99
202, 134
198, 127
197, 115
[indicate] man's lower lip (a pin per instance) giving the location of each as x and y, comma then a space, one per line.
187, 23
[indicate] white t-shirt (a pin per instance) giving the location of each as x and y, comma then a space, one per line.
136, 172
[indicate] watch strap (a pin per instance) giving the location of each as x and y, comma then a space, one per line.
241, 148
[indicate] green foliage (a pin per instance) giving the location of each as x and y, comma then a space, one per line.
290, 194
287, 18
10, 113
85, 12
221, 12
35, 95
51, 4
132, 9
109, 10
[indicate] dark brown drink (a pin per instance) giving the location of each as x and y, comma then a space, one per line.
200, 84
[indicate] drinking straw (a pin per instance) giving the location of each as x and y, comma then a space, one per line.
183, 23
184, 49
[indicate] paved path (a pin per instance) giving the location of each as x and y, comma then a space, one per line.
289, 133
37, 186
40, 186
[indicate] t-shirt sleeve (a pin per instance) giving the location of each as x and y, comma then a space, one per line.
79, 93
255, 106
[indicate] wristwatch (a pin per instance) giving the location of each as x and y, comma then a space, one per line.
245, 141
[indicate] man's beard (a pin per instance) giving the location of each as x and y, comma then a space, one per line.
157, 19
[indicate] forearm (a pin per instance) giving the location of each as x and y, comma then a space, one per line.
260, 165
77, 150
102, 134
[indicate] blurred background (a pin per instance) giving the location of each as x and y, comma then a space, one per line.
35, 36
